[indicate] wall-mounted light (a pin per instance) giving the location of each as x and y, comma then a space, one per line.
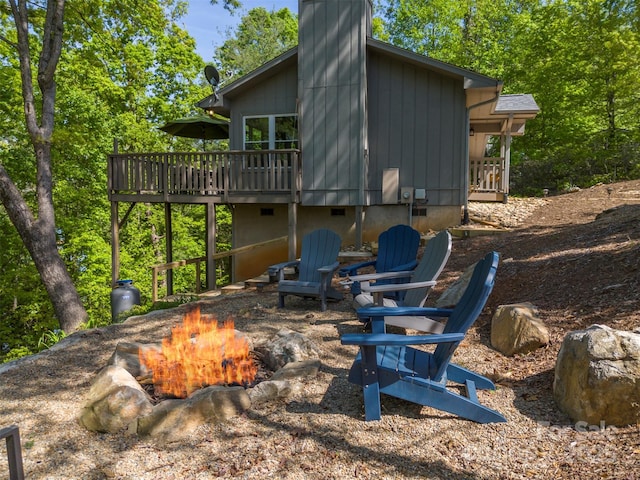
207, 104
471, 132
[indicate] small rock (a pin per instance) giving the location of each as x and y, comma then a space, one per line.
286, 347
452, 295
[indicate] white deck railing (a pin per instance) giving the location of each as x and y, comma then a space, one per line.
487, 174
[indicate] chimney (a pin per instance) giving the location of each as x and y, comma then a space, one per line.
332, 76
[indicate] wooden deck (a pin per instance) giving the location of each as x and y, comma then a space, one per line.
265, 176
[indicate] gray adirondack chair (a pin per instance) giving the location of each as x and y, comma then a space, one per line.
415, 289
316, 267
397, 251
389, 364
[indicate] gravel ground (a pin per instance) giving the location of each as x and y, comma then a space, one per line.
320, 433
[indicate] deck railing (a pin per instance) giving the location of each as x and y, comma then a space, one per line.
220, 174
487, 174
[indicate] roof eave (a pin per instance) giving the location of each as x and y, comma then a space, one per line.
248, 80
471, 79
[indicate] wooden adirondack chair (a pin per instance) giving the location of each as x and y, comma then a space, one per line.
387, 363
397, 251
415, 290
318, 262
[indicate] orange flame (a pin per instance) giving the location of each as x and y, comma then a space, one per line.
197, 354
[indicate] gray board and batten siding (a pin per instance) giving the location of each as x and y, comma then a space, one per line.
332, 86
416, 124
363, 106
273, 93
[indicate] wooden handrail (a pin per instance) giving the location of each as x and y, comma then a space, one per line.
486, 174
155, 269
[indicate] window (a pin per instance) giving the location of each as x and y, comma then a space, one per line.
271, 132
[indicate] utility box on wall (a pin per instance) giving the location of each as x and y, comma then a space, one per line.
406, 195
390, 185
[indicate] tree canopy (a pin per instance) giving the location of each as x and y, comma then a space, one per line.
260, 36
579, 59
123, 68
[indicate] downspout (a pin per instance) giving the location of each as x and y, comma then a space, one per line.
364, 135
465, 214
507, 158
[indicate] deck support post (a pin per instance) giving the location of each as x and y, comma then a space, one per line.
211, 245
115, 244
293, 226
168, 245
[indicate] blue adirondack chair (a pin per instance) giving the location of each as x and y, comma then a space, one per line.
397, 251
415, 290
318, 262
387, 363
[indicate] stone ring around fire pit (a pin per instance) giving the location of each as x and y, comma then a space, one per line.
117, 401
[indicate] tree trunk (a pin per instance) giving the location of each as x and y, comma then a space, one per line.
39, 238
39, 234
56, 279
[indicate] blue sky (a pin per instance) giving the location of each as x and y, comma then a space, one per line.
208, 23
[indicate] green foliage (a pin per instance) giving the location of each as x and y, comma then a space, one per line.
260, 37
578, 58
126, 68
50, 338
16, 353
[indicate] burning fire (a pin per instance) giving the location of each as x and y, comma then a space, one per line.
199, 353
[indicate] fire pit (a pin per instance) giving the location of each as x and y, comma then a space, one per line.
203, 372
197, 354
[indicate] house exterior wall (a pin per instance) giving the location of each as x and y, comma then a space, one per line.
416, 124
359, 113
250, 227
276, 95
332, 87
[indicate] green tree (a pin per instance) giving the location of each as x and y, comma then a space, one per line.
580, 62
124, 68
37, 229
260, 37
577, 57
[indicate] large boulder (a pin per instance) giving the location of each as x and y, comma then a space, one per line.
517, 329
115, 400
597, 376
174, 419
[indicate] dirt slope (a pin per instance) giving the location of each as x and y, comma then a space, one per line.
575, 257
